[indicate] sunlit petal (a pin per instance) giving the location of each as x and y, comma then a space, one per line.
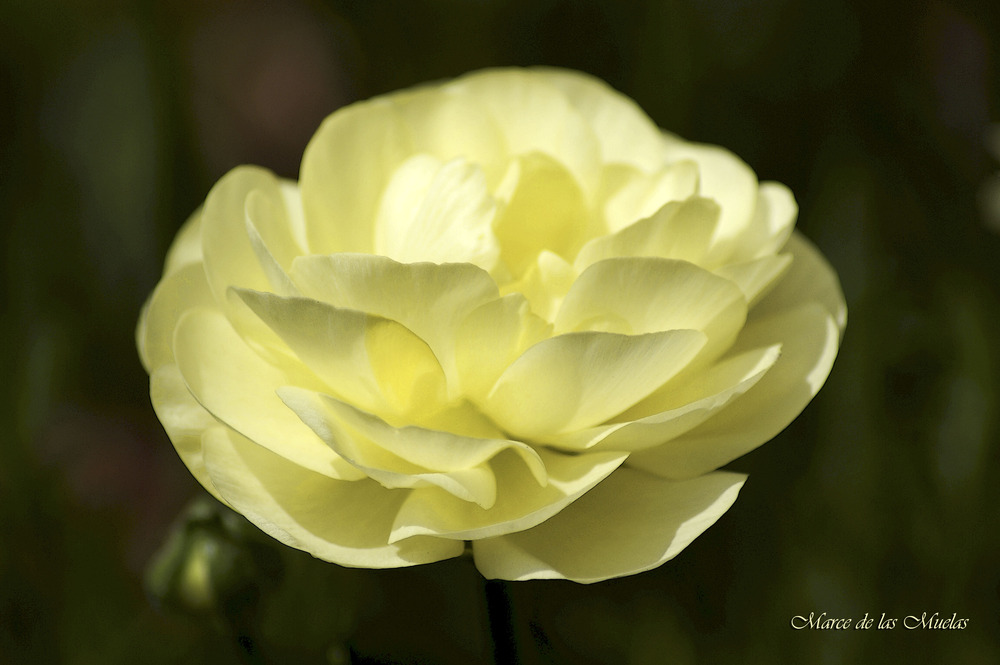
535, 116
581, 379
724, 178
438, 212
430, 300
625, 133
345, 169
665, 415
630, 523
372, 361
809, 339
521, 501
678, 230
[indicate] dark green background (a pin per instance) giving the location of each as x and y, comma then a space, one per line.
116, 118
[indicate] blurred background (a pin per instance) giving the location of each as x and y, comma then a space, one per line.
117, 117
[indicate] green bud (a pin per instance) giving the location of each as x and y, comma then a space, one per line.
211, 564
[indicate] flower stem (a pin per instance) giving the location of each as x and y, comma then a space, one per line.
503, 640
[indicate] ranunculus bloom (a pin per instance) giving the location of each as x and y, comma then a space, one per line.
505, 309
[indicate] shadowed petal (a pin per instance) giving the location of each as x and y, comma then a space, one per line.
238, 387
344, 522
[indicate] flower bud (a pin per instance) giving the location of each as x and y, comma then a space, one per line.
211, 564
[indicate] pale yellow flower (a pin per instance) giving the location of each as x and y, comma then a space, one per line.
505, 309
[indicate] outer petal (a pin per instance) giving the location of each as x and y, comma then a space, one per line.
245, 235
674, 412
725, 178
344, 522
624, 131
810, 279
630, 523
535, 116
809, 339
755, 278
244, 195
183, 419
345, 169
182, 290
805, 313
186, 247
772, 223
238, 387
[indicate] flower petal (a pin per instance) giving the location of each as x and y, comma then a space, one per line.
535, 116
810, 279
274, 248
521, 502
630, 523
273, 210
244, 194
506, 327
431, 449
678, 230
186, 247
238, 387
581, 379
408, 456
772, 223
374, 362
244, 216
545, 210
809, 339
345, 169
183, 419
439, 212
344, 522
805, 313
638, 295
544, 284
624, 131
676, 411
449, 124
756, 277
185, 288
430, 300
637, 195
726, 178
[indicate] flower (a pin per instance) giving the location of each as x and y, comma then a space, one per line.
506, 310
